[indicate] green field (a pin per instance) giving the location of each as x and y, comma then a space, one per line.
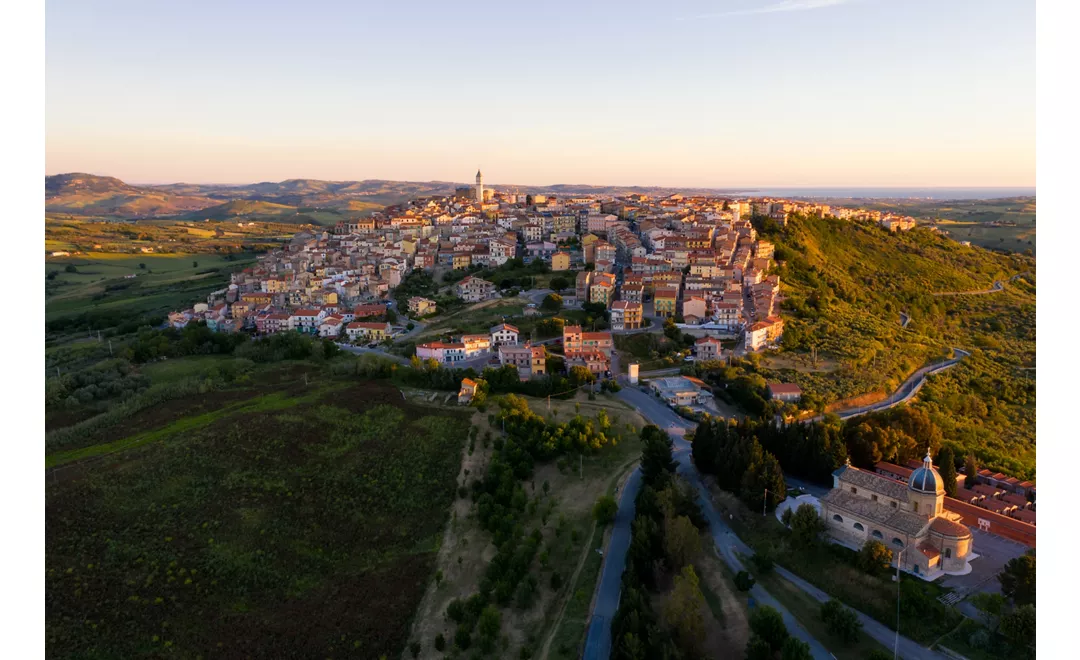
167, 283
299, 517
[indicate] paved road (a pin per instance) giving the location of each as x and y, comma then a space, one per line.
998, 286
908, 649
905, 392
598, 640
728, 546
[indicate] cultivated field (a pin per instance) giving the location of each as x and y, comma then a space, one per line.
299, 518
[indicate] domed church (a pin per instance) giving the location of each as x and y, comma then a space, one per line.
910, 520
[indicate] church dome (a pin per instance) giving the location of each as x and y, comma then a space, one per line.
926, 479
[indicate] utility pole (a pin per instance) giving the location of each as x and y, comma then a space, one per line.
110, 348
764, 502
581, 466
58, 372
896, 644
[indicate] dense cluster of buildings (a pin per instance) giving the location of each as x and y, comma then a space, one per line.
694, 258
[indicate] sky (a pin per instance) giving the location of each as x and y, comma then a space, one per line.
726, 93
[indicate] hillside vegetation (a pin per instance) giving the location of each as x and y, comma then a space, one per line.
845, 286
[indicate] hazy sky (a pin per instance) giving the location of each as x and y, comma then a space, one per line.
722, 93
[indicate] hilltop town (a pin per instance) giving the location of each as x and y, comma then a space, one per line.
696, 260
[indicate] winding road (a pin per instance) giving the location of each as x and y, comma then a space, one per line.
998, 286
904, 393
598, 640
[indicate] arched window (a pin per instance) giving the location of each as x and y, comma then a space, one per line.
859, 527
876, 534
898, 543
948, 553
838, 519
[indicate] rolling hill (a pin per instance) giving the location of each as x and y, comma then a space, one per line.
90, 194
844, 286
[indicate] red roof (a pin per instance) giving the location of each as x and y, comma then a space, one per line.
784, 388
949, 528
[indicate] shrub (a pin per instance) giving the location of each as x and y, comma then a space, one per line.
766, 623
744, 581
762, 562
840, 621
440, 642
874, 557
462, 637
605, 509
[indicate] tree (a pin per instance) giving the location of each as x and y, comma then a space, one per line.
840, 621
806, 526
794, 649
142, 266
947, 469
758, 649
70, 268
874, 557
391, 315
971, 471
684, 611
559, 283
991, 606
656, 460
194, 264
552, 302
762, 562
672, 331
766, 623
744, 581
682, 542
580, 375
487, 627
605, 509
1019, 628
762, 474
440, 642
1018, 579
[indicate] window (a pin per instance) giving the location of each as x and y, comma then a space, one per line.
837, 518
874, 497
876, 534
859, 527
893, 504
898, 543
915, 506
948, 553
854, 490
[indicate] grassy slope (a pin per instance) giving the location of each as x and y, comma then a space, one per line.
846, 283
167, 283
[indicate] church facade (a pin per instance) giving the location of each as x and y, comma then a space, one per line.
909, 519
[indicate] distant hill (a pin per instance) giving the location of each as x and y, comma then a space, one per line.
90, 194
241, 207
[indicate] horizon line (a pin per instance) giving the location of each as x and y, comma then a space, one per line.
736, 188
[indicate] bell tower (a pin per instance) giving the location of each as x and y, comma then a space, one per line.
479, 187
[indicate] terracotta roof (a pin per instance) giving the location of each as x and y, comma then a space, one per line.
947, 527
894, 469
784, 388
929, 550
